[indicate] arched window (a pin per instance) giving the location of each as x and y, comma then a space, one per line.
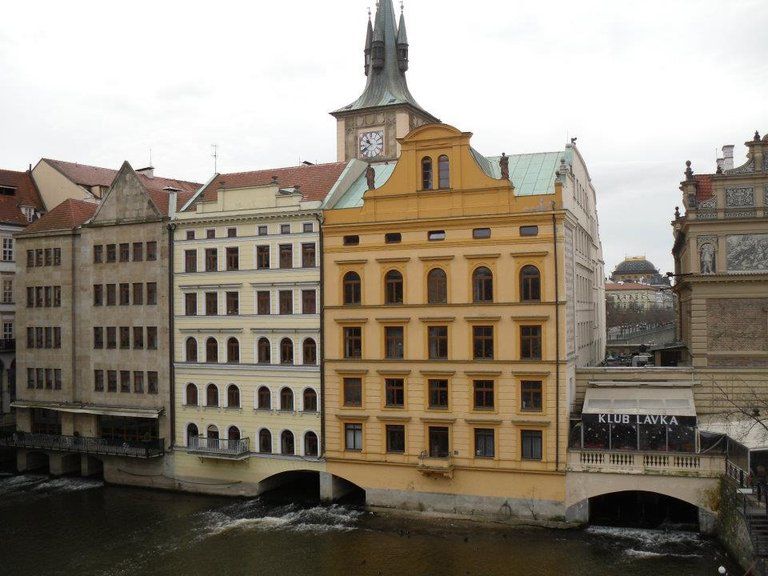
264, 351
352, 289
233, 396
233, 435
191, 346
191, 395
265, 441
310, 400
264, 398
286, 399
192, 434
286, 443
393, 287
437, 286
309, 351
443, 171
233, 351
286, 351
426, 173
530, 284
482, 285
211, 350
212, 395
310, 444
212, 433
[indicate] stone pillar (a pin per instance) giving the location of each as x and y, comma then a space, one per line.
332, 488
27, 461
89, 466
707, 522
62, 463
578, 513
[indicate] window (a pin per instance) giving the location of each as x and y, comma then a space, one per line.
151, 337
265, 441
262, 257
98, 337
286, 399
436, 235
98, 380
286, 255
232, 303
310, 400
30, 297
211, 395
443, 171
125, 381
393, 287
394, 392
353, 342
57, 379
482, 342
231, 232
351, 240
211, 350
125, 252
111, 253
285, 228
529, 230
47, 253
531, 444
125, 337
438, 342
190, 260
190, 304
233, 435
111, 380
151, 293
311, 445
263, 351
264, 398
192, 434
393, 341
138, 384
530, 284
531, 395
38, 257
479, 233
482, 285
210, 233
191, 349
438, 393
233, 258
483, 394
308, 227
309, 351
353, 436
138, 293
111, 294
286, 301
233, 351
353, 392
151, 251
262, 302
98, 294
308, 302
233, 396
438, 442
190, 235
125, 294
262, 231
57, 296
484, 442
98, 254
437, 286
57, 256
48, 296
286, 443
30, 258
426, 173
352, 288
393, 238
211, 259
308, 259
138, 251
530, 342
395, 438
138, 337
211, 303
111, 337
286, 351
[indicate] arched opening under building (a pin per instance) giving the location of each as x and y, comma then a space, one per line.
639, 509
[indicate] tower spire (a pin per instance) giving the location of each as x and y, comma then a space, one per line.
402, 41
368, 44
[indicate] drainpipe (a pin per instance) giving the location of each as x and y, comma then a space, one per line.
557, 342
321, 348
171, 369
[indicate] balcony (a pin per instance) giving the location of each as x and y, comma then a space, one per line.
7, 345
435, 466
84, 445
220, 448
655, 463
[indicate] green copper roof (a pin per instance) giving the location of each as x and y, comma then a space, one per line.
354, 195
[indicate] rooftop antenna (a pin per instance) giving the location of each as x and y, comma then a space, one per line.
215, 157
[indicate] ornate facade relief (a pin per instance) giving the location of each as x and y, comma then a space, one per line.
747, 252
707, 246
737, 197
747, 168
709, 203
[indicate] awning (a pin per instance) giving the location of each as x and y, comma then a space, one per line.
663, 401
748, 432
81, 408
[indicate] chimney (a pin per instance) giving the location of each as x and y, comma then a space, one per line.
149, 171
727, 157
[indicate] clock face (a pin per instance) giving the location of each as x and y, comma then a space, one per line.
371, 143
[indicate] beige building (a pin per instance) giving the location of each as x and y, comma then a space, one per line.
640, 297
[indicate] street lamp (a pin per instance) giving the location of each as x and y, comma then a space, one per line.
722, 571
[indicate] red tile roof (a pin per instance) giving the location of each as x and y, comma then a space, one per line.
26, 194
314, 181
66, 216
703, 187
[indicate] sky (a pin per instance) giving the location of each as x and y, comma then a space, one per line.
643, 86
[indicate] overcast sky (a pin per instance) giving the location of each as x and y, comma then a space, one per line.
644, 86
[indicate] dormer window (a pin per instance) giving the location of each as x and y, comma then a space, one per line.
7, 191
443, 172
426, 173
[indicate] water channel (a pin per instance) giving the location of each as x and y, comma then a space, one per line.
75, 526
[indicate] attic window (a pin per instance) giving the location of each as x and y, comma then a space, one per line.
7, 191
351, 240
436, 235
210, 233
392, 237
481, 233
529, 230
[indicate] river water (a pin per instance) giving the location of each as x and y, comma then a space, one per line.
74, 526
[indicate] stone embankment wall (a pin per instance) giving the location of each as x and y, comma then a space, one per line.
732, 528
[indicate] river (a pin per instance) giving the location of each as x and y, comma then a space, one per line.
75, 526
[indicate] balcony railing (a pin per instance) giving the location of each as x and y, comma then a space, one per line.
657, 463
84, 445
219, 448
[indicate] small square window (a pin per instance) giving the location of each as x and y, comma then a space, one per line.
392, 238
308, 227
436, 235
481, 233
210, 233
231, 232
262, 231
351, 240
285, 228
529, 230
190, 234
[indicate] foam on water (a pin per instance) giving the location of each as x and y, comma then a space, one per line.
28, 484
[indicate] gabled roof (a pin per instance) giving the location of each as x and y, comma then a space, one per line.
314, 181
66, 216
26, 194
704, 189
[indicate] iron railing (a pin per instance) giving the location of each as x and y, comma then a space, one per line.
219, 447
84, 445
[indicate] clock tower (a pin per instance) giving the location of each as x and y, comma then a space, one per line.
368, 128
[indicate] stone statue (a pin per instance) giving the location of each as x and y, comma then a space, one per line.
370, 176
504, 164
707, 254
